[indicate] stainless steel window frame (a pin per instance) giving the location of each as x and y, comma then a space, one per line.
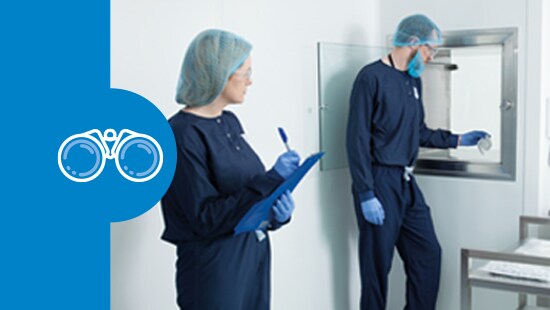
506, 168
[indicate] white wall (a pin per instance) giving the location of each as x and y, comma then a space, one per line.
535, 143
544, 137
314, 258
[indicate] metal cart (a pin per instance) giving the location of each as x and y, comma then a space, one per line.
470, 277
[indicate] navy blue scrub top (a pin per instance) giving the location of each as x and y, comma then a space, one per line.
218, 178
386, 124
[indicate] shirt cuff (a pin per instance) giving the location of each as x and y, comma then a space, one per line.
266, 183
364, 196
454, 141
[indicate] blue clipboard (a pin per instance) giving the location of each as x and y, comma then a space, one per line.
259, 216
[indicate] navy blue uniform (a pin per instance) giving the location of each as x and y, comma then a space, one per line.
385, 129
218, 178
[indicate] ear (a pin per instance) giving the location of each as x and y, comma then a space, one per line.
414, 50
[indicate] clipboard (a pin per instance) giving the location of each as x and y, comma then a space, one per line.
259, 216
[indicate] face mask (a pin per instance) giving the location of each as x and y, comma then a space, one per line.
416, 65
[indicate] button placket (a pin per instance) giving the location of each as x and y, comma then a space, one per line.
232, 142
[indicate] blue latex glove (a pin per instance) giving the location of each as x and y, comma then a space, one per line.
373, 211
472, 137
283, 207
287, 163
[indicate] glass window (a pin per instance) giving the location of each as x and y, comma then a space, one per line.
471, 84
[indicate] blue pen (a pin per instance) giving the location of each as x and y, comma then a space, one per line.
284, 138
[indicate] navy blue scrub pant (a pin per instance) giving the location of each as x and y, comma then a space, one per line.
407, 226
225, 274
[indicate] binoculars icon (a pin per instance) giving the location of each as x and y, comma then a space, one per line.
82, 156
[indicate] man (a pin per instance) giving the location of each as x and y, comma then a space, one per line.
385, 129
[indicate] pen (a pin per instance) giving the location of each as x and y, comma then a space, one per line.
284, 138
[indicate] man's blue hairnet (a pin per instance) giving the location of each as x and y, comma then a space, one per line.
417, 29
209, 62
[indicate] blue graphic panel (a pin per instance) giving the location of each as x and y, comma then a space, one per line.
59, 195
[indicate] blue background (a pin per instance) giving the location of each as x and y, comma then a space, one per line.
54, 233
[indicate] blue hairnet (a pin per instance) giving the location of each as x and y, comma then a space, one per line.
417, 30
209, 61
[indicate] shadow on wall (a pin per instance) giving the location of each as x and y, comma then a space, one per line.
137, 253
340, 231
124, 244
337, 210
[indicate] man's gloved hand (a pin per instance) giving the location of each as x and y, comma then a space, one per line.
287, 163
373, 211
472, 137
283, 207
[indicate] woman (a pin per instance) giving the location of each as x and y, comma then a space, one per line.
218, 178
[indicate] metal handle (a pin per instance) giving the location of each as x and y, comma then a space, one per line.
506, 105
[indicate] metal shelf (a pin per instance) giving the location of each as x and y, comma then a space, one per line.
477, 277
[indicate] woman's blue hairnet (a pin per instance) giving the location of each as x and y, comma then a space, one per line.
417, 29
209, 62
